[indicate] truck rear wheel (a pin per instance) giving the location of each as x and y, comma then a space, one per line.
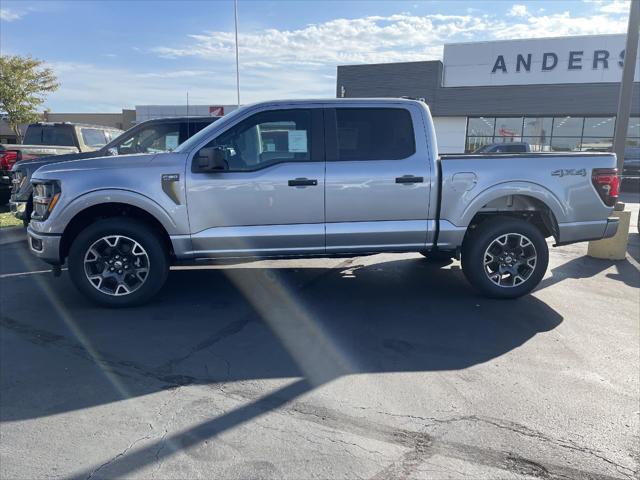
505, 257
118, 262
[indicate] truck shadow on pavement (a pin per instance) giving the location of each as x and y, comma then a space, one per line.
234, 324
240, 323
587, 267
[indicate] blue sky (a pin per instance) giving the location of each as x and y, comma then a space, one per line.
115, 54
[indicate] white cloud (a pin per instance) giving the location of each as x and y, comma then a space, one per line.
616, 7
10, 15
401, 37
301, 62
91, 88
518, 11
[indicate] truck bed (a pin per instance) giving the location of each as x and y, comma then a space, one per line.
561, 181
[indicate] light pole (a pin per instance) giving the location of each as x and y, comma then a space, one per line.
626, 85
235, 13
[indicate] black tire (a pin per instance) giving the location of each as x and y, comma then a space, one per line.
156, 259
481, 238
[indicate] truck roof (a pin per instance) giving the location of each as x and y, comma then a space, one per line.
72, 124
200, 118
338, 101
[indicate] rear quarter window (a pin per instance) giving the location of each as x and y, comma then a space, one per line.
374, 134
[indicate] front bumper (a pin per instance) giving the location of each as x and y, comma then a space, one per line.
612, 227
45, 247
18, 209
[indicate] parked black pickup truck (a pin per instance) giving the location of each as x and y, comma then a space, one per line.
152, 136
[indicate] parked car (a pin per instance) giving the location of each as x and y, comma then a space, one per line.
630, 176
152, 136
51, 138
507, 147
349, 177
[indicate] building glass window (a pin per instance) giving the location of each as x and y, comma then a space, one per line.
481, 126
544, 134
604, 144
538, 144
474, 143
599, 126
539, 127
567, 126
634, 127
565, 144
508, 129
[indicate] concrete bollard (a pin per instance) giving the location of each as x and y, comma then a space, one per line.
614, 248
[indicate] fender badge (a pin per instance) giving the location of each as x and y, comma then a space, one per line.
565, 172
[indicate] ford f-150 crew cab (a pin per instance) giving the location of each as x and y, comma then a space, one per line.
306, 178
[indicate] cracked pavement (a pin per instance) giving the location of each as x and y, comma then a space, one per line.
376, 367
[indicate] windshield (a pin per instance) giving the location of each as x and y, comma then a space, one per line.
204, 133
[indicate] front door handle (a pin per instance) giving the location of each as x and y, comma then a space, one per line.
409, 179
303, 182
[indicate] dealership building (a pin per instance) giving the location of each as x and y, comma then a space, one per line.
557, 94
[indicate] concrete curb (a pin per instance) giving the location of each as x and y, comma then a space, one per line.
12, 235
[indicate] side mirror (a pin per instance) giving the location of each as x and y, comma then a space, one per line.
211, 159
113, 151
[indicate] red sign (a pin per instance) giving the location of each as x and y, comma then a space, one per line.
216, 110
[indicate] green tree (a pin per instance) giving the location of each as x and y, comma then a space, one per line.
24, 84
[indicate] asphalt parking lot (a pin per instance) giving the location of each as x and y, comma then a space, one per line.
375, 367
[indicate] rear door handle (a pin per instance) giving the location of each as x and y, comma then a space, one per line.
409, 179
303, 182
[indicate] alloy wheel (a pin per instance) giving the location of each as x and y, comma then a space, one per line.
510, 260
116, 265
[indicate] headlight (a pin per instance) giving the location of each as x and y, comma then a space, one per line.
17, 180
45, 198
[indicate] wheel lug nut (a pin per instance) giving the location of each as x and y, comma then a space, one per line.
119, 272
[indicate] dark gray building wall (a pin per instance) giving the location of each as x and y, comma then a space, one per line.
424, 80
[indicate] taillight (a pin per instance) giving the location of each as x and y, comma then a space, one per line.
607, 184
8, 159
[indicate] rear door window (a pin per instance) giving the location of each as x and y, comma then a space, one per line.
374, 134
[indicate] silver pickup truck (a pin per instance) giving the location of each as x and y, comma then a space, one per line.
316, 178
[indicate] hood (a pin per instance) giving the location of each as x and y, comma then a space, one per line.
120, 162
35, 163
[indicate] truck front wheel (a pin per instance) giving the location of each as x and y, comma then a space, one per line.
118, 262
505, 257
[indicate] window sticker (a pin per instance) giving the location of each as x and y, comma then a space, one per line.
171, 142
297, 141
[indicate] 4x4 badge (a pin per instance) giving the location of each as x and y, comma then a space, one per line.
565, 172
